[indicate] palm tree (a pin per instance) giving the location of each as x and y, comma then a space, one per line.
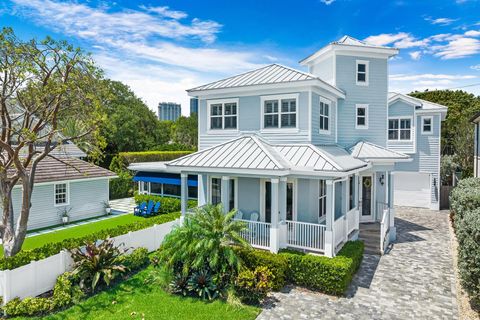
205, 240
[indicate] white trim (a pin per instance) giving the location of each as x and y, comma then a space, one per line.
279, 98
370, 217
222, 179
310, 119
412, 129
222, 102
358, 106
329, 117
67, 194
423, 118
367, 72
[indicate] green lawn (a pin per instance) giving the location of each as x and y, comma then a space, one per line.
76, 232
137, 299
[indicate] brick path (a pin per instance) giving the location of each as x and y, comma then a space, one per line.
415, 280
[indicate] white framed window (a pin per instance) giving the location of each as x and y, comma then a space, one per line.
400, 129
61, 194
322, 199
223, 114
324, 125
279, 112
361, 116
351, 192
361, 74
427, 125
215, 191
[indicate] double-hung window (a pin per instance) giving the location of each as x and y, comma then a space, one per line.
324, 116
361, 114
362, 73
61, 194
322, 199
279, 112
427, 123
400, 129
223, 114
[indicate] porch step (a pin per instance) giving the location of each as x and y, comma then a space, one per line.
370, 235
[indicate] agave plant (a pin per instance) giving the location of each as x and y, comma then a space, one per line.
201, 284
179, 284
205, 241
96, 264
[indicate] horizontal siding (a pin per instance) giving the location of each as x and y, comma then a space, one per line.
324, 69
401, 109
86, 201
317, 137
249, 121
375, 95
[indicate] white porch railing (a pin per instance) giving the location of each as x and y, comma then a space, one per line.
339, 230
306, 235
352, 221
384, 230
258, 233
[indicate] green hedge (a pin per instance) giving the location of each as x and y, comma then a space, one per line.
465, 196
25, 257
121, 161
329, 275
168, 204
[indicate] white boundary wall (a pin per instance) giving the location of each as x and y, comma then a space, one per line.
40, 276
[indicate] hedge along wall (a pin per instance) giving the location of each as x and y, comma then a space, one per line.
465, 205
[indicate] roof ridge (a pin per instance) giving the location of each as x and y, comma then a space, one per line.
327, 158
261, 143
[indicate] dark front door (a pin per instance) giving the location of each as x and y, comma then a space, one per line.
366, 198
268, 201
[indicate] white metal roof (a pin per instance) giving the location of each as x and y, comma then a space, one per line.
423, 104
369, 151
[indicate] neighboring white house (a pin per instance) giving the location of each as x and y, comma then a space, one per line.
64, 183
306, 157
476, 153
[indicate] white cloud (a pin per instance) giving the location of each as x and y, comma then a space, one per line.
166, 12
475, 67
327, 2
429, 76
400, 40
457, 48
441, 21
415, 55
472, 33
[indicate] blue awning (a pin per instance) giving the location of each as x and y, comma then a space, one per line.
166, 178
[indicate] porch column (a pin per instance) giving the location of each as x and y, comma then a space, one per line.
202, 189
183, 195
391, 202
345, 206
282, 208
329, 220
225, 193
274, 239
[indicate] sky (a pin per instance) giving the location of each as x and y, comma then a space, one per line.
162, 48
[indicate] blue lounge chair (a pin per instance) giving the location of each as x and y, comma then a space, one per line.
139, 209
149, 209
157, 207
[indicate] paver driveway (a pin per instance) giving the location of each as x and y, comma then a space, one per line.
415, 280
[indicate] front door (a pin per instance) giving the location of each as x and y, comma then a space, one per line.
267, 200
366, 209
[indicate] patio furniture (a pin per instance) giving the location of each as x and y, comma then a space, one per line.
139, 209
148, 210
239, 215
157, 207
254, 216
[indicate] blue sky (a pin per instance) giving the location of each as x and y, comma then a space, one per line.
162, 48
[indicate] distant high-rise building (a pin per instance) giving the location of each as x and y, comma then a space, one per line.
193, 106
169, 111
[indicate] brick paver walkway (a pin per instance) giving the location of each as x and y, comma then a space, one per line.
415, 280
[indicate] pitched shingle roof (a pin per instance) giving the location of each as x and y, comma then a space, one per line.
63, 169
270, 74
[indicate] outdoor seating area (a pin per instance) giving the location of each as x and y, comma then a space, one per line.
145, 209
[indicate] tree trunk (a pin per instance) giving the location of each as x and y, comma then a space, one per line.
8, 233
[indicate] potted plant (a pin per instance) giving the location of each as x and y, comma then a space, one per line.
107, 207
64, 214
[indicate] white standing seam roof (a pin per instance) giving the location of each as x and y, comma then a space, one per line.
370, 151
252, 152
271, 74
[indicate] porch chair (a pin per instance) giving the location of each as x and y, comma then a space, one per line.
139, 209
157, 207
254, 216
239, 215
149, 209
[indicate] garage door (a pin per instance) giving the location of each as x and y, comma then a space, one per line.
412, 189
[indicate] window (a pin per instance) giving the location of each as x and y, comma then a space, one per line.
192, 192
172, 190
361, 121
231, 205
61, 194
216, 190
279, 112
324, 116
351, 193
427, 125
155, 188
144, 187
362, 73
322, 199
400, 129
223, 114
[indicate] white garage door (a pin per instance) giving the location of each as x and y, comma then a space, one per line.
412, 189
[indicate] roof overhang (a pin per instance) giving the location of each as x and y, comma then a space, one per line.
476, 118
315, 83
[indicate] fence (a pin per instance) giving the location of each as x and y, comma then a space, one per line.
305, 235
339, 230
258, 233
40, 276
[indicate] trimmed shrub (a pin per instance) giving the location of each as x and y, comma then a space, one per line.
121, 161
121, 187
136, 260
468, 235
354, 251
465, 196
253, 286
24, 257
28, 307
168, 204
276, 263
65, 293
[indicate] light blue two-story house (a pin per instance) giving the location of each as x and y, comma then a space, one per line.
307, 157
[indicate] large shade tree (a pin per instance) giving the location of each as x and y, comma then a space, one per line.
44, 86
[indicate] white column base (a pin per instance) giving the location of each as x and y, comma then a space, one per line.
283, 234
329, 246
182, 219
274, 240
393, 234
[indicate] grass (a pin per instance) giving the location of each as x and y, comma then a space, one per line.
137, 298
76, 232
